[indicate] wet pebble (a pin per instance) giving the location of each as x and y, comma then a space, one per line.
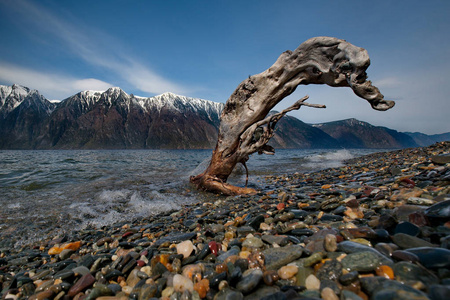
364, 261
250, 279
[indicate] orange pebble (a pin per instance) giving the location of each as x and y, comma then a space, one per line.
72, 246
229, 223
55, 250
281, 206
58, 249
220, 268
385, 271
326, 186
164, 259
202, 287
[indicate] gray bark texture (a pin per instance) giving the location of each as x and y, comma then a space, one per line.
246, 129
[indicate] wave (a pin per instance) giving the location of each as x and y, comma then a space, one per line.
114, 206
324, 160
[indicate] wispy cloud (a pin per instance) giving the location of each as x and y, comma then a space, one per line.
97, 48
54, 86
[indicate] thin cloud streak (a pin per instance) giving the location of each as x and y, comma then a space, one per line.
52, 86
95, 48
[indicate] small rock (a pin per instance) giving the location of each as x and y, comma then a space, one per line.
250, 279
270, 277
253, 242
441, 159
280, 240
278, 257
328, 294
185, 248
407, 228
385, 271
406, 241
364, 261
182, 283
312, 283
83, 283
287, 272
330, 243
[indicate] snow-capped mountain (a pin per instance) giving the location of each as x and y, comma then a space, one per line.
21, 114
11, 97
113, 119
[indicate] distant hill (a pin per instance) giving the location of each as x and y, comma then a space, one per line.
425, 140
293, 133
353, 133
113, 119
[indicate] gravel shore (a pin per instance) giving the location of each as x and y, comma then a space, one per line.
376, 228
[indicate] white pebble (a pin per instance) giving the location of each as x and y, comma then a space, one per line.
185, 248
182, 283
312, 282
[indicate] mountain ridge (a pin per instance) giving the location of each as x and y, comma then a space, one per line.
113, 119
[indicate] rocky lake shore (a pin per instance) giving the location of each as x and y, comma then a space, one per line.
376, 228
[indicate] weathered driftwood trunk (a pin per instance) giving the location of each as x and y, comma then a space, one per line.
244, 128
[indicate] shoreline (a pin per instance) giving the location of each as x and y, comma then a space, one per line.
341, 232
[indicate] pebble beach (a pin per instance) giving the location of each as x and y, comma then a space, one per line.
376, 228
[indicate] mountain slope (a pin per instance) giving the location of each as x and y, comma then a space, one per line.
11, 97
115, 120
426, 140
352, 133
22, 118
293, 133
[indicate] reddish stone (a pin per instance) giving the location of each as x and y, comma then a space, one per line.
368, 190
339, 238
140, 263
407, 182
83, 283
128, 233
214, 247
281, 206
418, 218
353, 203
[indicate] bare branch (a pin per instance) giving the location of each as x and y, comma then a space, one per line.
249, 145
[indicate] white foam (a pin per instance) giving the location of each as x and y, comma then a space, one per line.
325, 160
113, 206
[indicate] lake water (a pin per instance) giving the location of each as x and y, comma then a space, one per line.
51, 192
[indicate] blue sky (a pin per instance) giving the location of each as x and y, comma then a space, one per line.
205, 49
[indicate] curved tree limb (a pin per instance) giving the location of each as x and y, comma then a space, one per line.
320, 60
248, 143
